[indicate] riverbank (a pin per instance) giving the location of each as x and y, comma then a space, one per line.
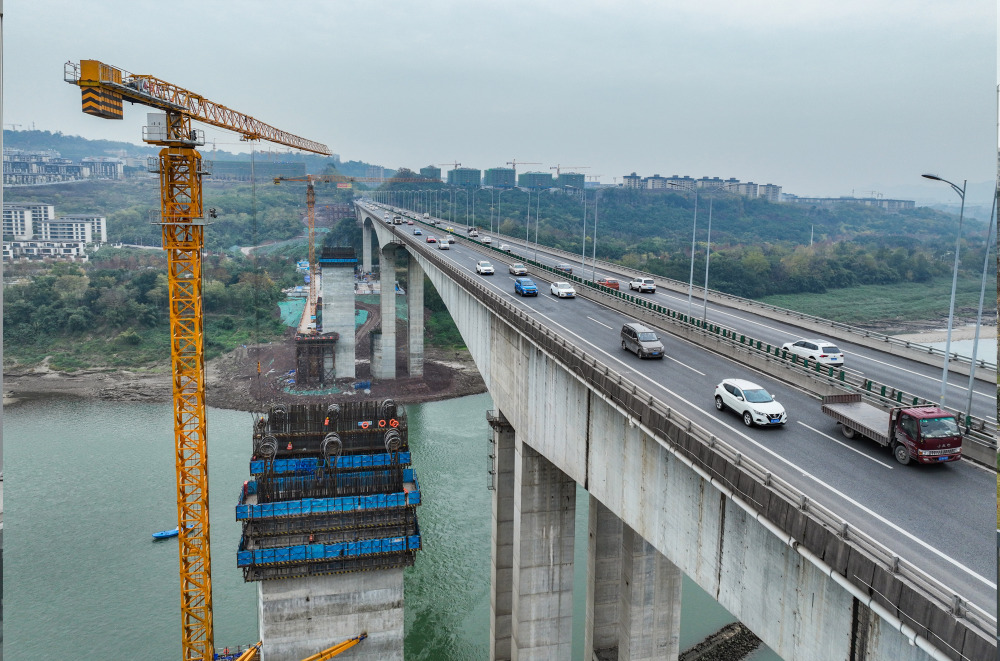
232, 381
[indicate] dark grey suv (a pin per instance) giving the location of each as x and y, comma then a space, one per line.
641, 340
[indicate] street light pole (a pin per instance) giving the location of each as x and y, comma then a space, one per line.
708, 255
538, 206
593, 257
979, 313
583, 249
527, 221
954, 281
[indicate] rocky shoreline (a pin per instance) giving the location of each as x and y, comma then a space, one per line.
730, 643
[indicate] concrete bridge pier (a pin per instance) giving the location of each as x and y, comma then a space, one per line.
415, 315
366, 247
384, 365
633, 606
544, 522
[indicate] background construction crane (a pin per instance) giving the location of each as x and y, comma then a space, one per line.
569, 167
104, 88
513, 164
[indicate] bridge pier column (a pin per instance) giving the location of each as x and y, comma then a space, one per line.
633, 606
650, 605
415, 314
366, 247
604, 569
544, 517
386, 364
501, 570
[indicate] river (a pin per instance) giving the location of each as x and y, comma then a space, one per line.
88, 482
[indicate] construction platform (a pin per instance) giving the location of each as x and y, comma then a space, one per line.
329, 520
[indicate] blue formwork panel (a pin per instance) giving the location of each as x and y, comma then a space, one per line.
307, 506
308, 464
314, 552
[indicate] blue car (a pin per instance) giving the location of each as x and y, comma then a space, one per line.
525, 287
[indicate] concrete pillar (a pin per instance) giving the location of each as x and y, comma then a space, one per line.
366, 246
542, 599
338, 313
299, 617
604, 571
415, 314
650, 605
387, 284
501, 569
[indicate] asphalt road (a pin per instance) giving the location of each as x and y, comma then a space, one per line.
938, 517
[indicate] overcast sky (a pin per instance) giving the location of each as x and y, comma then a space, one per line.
821, 97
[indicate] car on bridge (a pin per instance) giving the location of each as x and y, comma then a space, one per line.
525, 287
823, 352
610, 283
444, 245
642, 341
431, 239
751, 402
504, 247
484, 268
562, 290
487, 240
643, 284
409, 222
565, 268
449, 229
517, 269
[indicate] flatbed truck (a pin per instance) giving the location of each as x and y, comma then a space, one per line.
926, 434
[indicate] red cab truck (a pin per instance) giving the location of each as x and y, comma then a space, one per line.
926, 434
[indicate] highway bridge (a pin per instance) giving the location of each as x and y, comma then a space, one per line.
825, 548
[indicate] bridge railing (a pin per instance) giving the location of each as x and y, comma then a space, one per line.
773, 497
677, 285
977, 429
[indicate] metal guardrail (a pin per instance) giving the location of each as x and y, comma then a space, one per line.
703, 448
643, 406
847, 328
977, 429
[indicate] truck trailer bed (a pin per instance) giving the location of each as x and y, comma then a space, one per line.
862, 417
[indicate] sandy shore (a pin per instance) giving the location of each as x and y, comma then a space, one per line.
960, 333
231, 382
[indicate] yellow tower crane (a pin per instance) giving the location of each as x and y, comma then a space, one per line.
104, 88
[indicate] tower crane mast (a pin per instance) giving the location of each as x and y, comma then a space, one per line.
103, 89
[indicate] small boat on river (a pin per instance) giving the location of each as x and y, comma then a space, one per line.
164, 534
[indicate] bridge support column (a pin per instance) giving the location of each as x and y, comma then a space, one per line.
604, 569
650, 605
501, 570
366, 247
542, 599
386, 365
633, 607
415, 314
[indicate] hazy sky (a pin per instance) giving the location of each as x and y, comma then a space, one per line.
821, 97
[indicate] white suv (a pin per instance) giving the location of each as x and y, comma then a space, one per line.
484, 268
823, 352
643, 284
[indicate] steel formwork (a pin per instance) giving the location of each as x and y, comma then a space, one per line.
331, 491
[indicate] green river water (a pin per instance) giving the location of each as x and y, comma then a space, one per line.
86, 483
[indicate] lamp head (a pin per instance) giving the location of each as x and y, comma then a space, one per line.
932, 176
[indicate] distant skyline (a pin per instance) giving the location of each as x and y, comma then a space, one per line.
823, 99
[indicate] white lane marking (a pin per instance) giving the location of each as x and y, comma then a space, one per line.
686, 365
874, 360
598, 322
802, 471
839, 442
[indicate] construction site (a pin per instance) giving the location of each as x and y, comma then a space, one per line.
329, 522
329, 510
